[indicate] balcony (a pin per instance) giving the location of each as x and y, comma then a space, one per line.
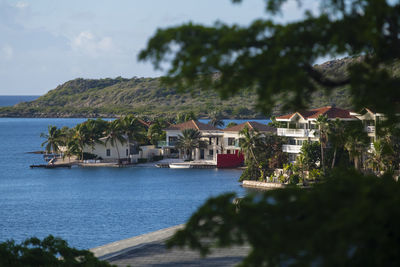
296, 132
291, 148
370, 129
165, 143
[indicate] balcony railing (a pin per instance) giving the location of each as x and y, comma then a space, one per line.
291, 148
370, 129
296, 132
234, 144
165, 143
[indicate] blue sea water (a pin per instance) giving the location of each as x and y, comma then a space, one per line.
11, 100
92, 206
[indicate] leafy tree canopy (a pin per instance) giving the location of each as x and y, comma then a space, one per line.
276, 59
51, 251
349, 220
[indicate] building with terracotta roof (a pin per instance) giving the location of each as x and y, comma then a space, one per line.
212, 135
220, 142
232, 136
301, 126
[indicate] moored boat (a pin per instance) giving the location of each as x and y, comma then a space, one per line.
180, 166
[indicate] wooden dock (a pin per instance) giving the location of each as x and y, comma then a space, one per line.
51, 166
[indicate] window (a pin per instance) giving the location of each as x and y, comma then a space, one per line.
127, 152
300, 142
108, 152
231, 141
209, 141
211, 152
228, 151
217, 140
172, 140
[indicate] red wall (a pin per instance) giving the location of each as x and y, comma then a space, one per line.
229, 160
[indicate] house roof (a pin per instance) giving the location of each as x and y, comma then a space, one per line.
252, 125
329, 111
192, 124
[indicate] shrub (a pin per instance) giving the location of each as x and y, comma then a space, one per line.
294, 179
157, 158
51, 251
142, 160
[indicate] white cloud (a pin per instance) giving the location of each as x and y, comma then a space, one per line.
6, 52
21, 5
90, 44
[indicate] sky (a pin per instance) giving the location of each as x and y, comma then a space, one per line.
44, 43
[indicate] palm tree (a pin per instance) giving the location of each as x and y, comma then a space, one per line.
323, 127
155, 132
53, 139
381, 156
355, 142
115, 134
133, 129
231, 124
216, 120
81, 137
72, 149
249, 143
337, 137
189, 140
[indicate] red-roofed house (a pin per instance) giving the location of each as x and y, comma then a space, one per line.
301, 126
231, 135
212, 135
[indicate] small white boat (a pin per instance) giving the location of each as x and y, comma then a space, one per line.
179, 166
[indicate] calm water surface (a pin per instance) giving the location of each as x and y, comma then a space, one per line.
92, 206
11, 100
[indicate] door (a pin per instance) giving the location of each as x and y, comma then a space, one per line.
201, 153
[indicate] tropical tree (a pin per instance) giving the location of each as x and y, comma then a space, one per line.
185, 116
156, 131
250, 143
323, 129
132, 129
337, 137
189, 140
381, 156
215, 119
114, 134
81, 138
311, 154
231, 124
53, 139
190, 116
72, 148
50, 251
356, 142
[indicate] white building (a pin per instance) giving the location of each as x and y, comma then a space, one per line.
301, 126
232, 135
218, 141
210, 134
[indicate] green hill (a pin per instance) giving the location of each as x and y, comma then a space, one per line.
146, 96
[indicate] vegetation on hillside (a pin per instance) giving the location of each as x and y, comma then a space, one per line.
148, 96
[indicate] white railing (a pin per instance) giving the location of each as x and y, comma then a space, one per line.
370, 129
291, 148
295, 132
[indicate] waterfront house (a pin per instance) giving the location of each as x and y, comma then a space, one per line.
370, 121
210, 134
231, 138
301, 126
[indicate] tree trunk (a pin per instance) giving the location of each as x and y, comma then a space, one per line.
116, 146
254, 156
334, 158
322, 159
